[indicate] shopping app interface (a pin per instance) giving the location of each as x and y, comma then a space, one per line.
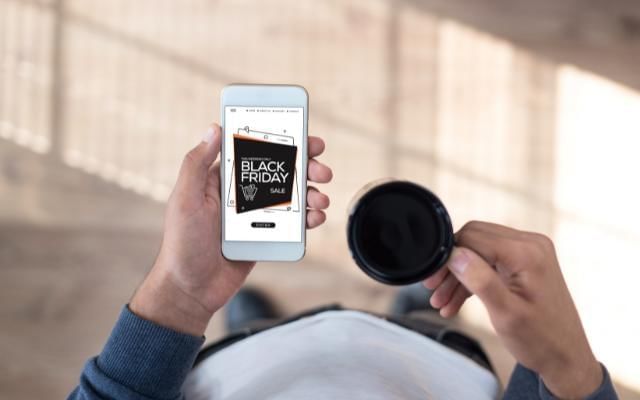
262, 183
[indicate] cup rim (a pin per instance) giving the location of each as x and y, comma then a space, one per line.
430, 266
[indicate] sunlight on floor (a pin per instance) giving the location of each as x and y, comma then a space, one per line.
597, 196
500, 133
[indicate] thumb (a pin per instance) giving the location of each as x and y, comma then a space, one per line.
195, 166
478, 277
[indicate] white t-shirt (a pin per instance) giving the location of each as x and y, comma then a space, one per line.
339, 355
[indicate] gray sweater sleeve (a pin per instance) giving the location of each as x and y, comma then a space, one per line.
141, 360
527, 385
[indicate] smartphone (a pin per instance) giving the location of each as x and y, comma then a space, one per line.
263, 172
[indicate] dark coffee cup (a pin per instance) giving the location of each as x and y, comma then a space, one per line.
399, 232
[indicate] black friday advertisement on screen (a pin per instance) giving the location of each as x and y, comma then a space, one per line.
262, 191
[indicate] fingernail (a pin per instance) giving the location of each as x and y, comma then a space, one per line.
459, 261
208, 136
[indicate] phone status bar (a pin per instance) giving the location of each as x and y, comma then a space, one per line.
265, 109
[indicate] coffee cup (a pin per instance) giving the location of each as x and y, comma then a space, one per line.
399, 232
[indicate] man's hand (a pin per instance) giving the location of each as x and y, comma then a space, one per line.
190, 279
517, 276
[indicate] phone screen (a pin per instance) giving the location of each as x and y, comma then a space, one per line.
263, 191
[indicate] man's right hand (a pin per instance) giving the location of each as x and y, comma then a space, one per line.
517, 276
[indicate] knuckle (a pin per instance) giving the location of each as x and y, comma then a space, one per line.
472, 225
544, 241
521, 248
462, 235
539, 248
187, 164
192, 158
523, 251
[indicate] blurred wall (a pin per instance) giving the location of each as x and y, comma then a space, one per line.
121, 89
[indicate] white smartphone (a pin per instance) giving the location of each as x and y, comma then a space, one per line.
263, 172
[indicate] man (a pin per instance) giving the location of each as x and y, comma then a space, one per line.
338, 354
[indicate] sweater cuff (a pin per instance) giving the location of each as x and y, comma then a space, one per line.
148, 358
606, 391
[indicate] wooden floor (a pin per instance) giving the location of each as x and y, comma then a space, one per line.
390, 82
64, 280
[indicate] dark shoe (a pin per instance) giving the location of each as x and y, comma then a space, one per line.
411, 298
246, 307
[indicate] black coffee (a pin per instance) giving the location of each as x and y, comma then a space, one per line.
399, 232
